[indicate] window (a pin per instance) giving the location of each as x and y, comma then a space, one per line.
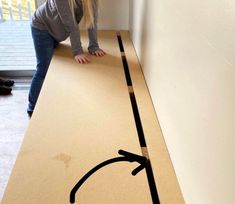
17, 57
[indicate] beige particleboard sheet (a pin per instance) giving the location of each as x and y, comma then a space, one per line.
166, 180
82, 118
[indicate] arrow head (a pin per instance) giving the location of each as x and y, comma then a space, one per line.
143, 161
138, 169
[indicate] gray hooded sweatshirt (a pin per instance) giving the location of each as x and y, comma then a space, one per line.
56, 17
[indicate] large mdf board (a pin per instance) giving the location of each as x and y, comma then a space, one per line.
82, 118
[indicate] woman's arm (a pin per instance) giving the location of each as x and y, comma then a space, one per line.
92, 32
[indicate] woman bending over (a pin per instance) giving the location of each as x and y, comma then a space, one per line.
53, 22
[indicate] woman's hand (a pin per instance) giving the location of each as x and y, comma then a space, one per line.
82, 59
99, 53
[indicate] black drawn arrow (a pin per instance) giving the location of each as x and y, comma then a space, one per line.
126, 156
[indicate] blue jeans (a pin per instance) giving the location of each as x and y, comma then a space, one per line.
44, 45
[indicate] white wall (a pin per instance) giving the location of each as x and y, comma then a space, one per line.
113, 14
187, 51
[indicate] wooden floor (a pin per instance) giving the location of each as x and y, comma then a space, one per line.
12, 110
16, 46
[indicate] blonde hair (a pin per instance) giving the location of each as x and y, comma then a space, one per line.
88, 14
